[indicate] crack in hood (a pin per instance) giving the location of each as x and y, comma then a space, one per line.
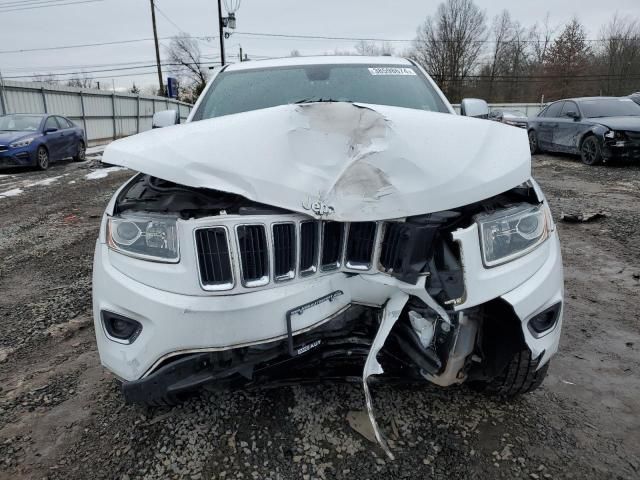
337, 161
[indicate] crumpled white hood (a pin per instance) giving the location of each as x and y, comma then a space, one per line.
338, 161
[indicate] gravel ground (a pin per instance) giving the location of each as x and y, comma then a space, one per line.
62, 416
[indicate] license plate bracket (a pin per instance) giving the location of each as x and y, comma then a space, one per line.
300, 310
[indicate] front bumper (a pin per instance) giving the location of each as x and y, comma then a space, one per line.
621, 150
17, 157
175, 324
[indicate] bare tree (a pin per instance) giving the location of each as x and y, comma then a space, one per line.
501, 32
618, 56
81, 81
450, 43
294, 53
46, 78
134, 89
364, 47
540, 38
186, 62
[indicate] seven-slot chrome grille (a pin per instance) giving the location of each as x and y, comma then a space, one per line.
281, 251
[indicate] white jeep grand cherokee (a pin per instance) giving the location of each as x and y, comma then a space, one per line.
327, 217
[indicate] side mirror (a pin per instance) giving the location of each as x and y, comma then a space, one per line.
166, 118
50, 130
572, 114
474, 107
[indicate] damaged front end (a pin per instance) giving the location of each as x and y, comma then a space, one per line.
444, 281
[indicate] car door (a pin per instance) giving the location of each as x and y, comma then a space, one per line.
53, 140
570, 126
547, 125
68, 140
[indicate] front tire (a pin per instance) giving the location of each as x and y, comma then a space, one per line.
521, 375
81, 152
533, 142
591, 151
42, 158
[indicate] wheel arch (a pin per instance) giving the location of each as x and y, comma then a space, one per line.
597, 131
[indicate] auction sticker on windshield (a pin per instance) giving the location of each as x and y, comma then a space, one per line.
391, 71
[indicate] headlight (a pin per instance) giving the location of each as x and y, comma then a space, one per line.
22, 143
510, 233
146, 237
612, 134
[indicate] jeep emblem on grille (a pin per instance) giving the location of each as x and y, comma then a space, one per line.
318, 207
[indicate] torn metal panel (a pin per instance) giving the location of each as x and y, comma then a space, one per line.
339, 161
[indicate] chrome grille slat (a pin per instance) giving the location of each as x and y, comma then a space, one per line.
360, 245
391, 245
308, 247
284, 251
213, 254
254, 255
332, 242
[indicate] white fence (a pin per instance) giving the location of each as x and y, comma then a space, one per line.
104, 115
529, 109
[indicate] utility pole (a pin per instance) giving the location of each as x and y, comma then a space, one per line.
155, 37
220, 31
3, 100
241, 53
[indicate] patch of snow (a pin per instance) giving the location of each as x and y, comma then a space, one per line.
11, 193
45, 182
102, 173
72, 182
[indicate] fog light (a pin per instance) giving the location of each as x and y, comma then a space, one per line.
119, 328
540, 324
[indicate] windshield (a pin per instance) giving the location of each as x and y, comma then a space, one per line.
243, 91
609, 107
19, 123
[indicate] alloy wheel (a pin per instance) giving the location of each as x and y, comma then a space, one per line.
590, 152
43, 158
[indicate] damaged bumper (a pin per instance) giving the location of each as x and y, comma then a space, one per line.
621, 150
180, 328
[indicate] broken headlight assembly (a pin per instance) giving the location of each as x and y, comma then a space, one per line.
513, 232
145, 237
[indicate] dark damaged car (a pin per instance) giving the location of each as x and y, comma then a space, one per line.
599, 129
324, 218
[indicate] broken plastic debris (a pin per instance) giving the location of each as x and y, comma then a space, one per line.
359, 421
423, 327
390, 316
583, 217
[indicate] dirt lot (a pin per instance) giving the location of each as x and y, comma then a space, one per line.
62, 417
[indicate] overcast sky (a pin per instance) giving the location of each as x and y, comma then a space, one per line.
117, 20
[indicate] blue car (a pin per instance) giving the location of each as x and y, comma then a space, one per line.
38, 140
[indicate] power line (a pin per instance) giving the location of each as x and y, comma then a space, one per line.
376, 39
14, 3
97, 44
167, 18
84, 72
37, 7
